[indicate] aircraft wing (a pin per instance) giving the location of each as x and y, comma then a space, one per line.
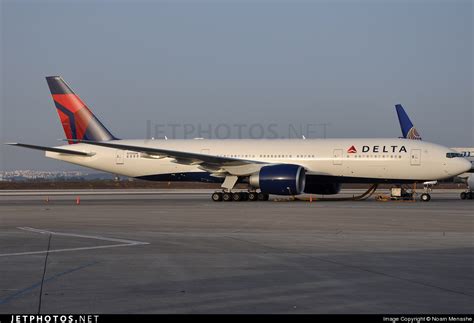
210, 163
56, 150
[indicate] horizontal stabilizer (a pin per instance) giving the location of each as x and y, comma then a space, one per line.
56, 150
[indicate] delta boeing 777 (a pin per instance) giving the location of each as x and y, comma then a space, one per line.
266, 166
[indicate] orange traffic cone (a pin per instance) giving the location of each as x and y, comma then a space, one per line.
311, 198
47, 199
78, 200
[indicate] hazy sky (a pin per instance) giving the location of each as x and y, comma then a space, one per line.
196, 62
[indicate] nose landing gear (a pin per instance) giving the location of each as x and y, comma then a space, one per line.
425, 197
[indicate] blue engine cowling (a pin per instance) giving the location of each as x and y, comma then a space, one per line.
284, 179
316, 187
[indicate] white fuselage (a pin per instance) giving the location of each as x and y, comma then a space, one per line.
383, 159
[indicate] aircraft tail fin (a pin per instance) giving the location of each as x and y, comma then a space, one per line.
408, 130
78, 121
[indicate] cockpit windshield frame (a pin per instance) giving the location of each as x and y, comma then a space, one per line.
453, 155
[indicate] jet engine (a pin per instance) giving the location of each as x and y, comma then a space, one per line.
283, 179
470, 181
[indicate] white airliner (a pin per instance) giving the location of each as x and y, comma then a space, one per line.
468, 153
410, 132
281, 167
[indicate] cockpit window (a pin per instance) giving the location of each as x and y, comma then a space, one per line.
452, 155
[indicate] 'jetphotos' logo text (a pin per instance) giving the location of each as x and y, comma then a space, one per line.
378, 149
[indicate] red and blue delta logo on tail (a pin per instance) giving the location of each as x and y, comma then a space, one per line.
78, 122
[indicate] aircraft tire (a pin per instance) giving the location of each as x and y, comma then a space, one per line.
425, 197
217, 197
253, 196
237, 197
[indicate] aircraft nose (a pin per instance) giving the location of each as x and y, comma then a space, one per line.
460, 165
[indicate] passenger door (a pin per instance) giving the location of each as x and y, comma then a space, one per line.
415, 157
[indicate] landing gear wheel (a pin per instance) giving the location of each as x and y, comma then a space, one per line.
469, 195
236, 197
463, 195
425, 197
227, 197
263, 196
253, 196
245, 196
217, 197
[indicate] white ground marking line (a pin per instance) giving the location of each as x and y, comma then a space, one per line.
123, 242
81, 236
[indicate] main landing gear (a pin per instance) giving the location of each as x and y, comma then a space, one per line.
228, 196
239, 196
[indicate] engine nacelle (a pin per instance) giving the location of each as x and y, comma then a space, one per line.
313, 186
284, 179
470, 181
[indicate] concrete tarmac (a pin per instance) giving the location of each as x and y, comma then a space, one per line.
183, 253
